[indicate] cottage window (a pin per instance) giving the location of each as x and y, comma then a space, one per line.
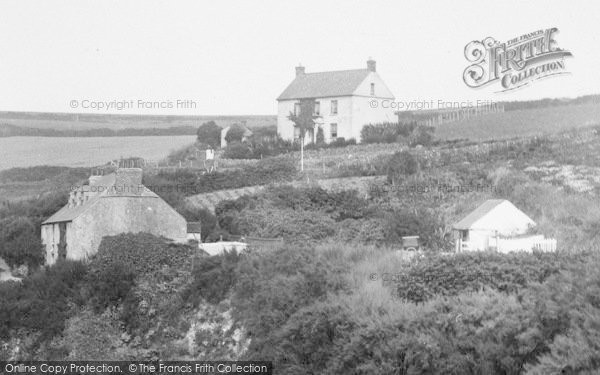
334, 107
296, 132
317, 108
372, 89
334, 132
297, 109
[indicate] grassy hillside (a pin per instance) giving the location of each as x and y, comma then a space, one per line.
521, 123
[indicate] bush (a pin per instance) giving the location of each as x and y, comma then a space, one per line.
238, 150
272, 286
442, 275
400, 165
109, 286
185, 183
386, 132
139, 254
20, 242
42, 302
421, 135
214, 277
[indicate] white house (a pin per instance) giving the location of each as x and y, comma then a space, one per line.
345, 100
498, 225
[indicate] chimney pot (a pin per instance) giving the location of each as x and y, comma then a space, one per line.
300, 70
371, 65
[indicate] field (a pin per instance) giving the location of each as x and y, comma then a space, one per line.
521, 123
62, 121
84, 152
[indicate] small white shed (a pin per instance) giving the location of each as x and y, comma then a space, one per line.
499, 225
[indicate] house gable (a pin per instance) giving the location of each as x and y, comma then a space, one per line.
381, 90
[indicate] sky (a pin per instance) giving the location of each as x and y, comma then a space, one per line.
236, 57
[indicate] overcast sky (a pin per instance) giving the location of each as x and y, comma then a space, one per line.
236, 57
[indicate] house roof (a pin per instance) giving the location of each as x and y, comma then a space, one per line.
478, 213
324, 84
101, 188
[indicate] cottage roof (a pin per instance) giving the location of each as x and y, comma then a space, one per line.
478, 213
324, 84
105, 187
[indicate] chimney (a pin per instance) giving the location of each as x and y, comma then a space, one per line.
299, 70
128, 181
371, 65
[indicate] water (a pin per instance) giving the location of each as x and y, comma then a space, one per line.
85, 151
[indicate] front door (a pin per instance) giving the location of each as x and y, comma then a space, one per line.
62, 244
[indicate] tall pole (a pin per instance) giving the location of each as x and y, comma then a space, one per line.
302, 154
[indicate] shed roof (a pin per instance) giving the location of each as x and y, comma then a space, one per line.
478, 213
324, 84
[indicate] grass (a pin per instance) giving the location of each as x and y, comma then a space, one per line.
521, 123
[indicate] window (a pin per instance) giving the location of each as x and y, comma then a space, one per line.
334, 107
372, 89
296, 132
317, 109
297, 109
333, 128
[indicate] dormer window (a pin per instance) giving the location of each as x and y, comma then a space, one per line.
372, 89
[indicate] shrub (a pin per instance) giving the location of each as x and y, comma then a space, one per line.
140, 253
238, 150
214, 277
186, 183
421, 135
272, 286
110, 285
320, 139
400, 165
442, 275
42, 302
386, 132
20, 242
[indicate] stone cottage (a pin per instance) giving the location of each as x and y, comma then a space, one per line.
109, 205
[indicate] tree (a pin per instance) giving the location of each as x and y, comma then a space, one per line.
210, 133
304, 120
235, 134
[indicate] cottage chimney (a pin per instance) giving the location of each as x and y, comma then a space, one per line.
128, 181
371, 65
300, 71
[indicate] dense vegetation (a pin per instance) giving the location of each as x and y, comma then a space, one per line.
336, 296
